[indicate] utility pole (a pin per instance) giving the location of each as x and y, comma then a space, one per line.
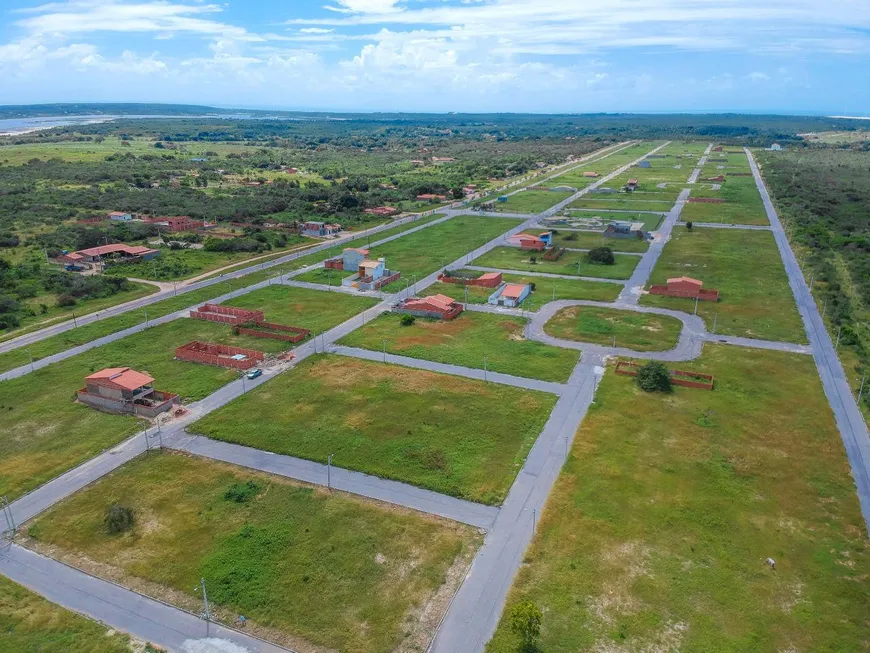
825, 308
329, 472
206, 613
175, 287
861, 389
715, 315
696, 306
146, 317
614, 342
75, 324
466, 295
7, 512
145, 435
839, 331
484, 368
31, 360
385, 350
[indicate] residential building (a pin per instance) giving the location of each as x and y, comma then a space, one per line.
370, 275
776, 147
350, 259
442, 159
176, 223
685, 287
116, 252
644, 164
382, 210
631, 185
510, 295
312, 228
123, 390
120, 216
431, 197
620, 229
439, 307
590, 174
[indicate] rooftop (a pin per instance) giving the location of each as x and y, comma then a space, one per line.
690, 280
513, 290
120, 377
102, 250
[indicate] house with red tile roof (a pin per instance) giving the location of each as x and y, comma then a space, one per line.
510, 295
350, 259
685, 287
124, 390
439, 307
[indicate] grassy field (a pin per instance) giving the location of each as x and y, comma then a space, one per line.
43, 432
573, 263
467, 341
546, 289
453, 435
55, 313
531, 201
651, 220
592, 239
31, 624
87, 333
622, 202
755, 300
637, 331
302, 564
656, 534
603, 166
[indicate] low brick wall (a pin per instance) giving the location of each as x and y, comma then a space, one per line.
379, 283
739, 174
493, 282
678, 377
213, 354
333, 264
435, 315
226, 314
702, 295
274, 331
165, 401
706, 200
554, 254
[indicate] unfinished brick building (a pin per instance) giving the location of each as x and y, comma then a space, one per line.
226, 314
210, 353
122, 390
685, 287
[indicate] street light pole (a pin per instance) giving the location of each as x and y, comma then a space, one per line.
385, 350
861, 389
206, 613
329, 472
31, 360
484, 368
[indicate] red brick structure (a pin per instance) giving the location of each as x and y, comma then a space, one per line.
177, 223
274, 331
706, 200
678, 377
554, 254
716, 178
739, 174
486, 280
685, 287
221, 355
382, 210
226, 314
439, 307
122, 390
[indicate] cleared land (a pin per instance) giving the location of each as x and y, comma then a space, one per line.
593, 239
31, 624
754, 305
637, 331
43, 432
656, 534
650, 220
622, 202
531, 201
604, 166
453, 435
467, 341
572, 263
304, 565
545, 289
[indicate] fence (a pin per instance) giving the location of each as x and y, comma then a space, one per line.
702, 295
678, 377
706, 200
226, 314
489, 280
554, 254
220, 355
273, 331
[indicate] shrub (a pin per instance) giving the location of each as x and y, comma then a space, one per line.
525, 621
601, 256
571, 236
242, 492
654, 377
119, 519
407, 319
66, 300
689, 225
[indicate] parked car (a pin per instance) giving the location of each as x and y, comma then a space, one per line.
254, 373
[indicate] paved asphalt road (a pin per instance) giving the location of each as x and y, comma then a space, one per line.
850, 421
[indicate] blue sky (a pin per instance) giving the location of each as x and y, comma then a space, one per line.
443, 55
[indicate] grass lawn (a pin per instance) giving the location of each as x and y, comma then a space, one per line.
43, 432
326, 276
755, 300
55, 313
531, 201
592, 239
466, 341
513, 258
303, 565
87, 333
453, 435
656, 534
31, 624
546, 289
637, 331
621, 202
728, 213
651, 220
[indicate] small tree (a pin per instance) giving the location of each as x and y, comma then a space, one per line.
407, 319
525, 621
601, 256
689, 225
119, 519
654, 377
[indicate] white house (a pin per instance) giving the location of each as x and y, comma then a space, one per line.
120, 216
510, 294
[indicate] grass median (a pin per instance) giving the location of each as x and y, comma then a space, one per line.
605, 326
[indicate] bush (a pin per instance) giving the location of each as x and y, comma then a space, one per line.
66, 300
525, 621
572, 236
242, 492
654, 377
119, 519
601, 256
689, 225
407, 319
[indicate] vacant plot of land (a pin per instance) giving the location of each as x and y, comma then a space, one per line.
573, 263
546, 289
302, 564
742, 204
602, 167
531, 201
656, 535
467, 341
31, 624
449, 434
43, 432
650, 220
637, 331
592, 239
622, 202
755, 300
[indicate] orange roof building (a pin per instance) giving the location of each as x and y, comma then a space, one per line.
124, 390
440, 307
